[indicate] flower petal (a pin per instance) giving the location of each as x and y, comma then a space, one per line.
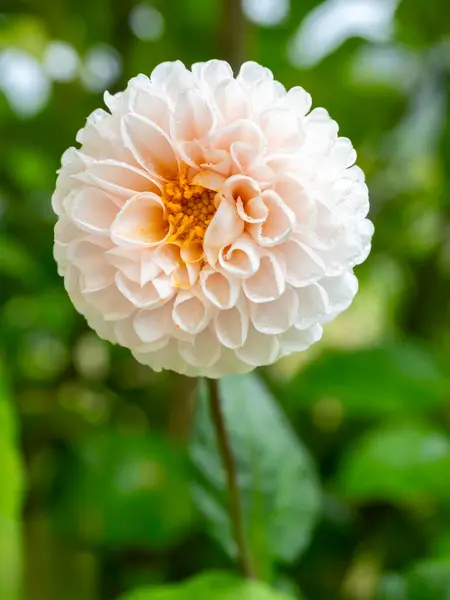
278, 225
190, 312
231, 325
91, 209
152, 325
117, 178
150, 146
141, 222
268, 283
302, 265
110, 303
296, 340
224, 228
203, 351
192, 118
221, 290
258, 349
153, 294
89, 257
242, 258
312, 306
276, 316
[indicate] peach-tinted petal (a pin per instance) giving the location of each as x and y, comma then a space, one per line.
141, 222
231, 325
153, 294
190, 312
222, 290
203, 351
258, 349
91, 209
278, 225
150, 146
120, 180
241, 258
302, 265
152, 325
268, 283
224, 228
110, 303
276, 316
192, 118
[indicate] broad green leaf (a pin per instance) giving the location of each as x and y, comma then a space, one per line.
427, 580
391, 379
397, 463
126, 489
210, 586
279, 490
10, 498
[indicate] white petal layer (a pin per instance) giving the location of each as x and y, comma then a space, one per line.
276, 261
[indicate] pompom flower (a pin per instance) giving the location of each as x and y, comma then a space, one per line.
208, 223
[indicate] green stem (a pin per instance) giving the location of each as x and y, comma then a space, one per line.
234, 501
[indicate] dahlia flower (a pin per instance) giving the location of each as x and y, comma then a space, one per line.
210, 223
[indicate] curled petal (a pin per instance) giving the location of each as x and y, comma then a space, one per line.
141, 222
220, 289
136, 264
231, 325
151, 295
152, 325
203, 351
276, 316
190, 312
224, 228
279, 223
210, 180
242, 258
240, 186
259, 349
268, 283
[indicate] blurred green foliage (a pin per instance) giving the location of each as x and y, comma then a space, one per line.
351, 500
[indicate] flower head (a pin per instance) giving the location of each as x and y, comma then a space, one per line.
210, 223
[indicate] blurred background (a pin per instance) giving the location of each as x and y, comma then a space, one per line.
94, 467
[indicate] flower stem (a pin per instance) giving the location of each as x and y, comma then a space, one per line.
234, 502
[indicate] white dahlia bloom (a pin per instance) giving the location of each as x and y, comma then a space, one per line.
208, 223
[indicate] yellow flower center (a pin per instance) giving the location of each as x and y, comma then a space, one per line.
190, 210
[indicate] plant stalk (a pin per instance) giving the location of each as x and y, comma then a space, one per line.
234, 501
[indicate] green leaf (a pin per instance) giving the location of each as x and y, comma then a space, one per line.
126, 489
397, 463
427, 580
10, 498
210, 586
391, 379
279, 490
